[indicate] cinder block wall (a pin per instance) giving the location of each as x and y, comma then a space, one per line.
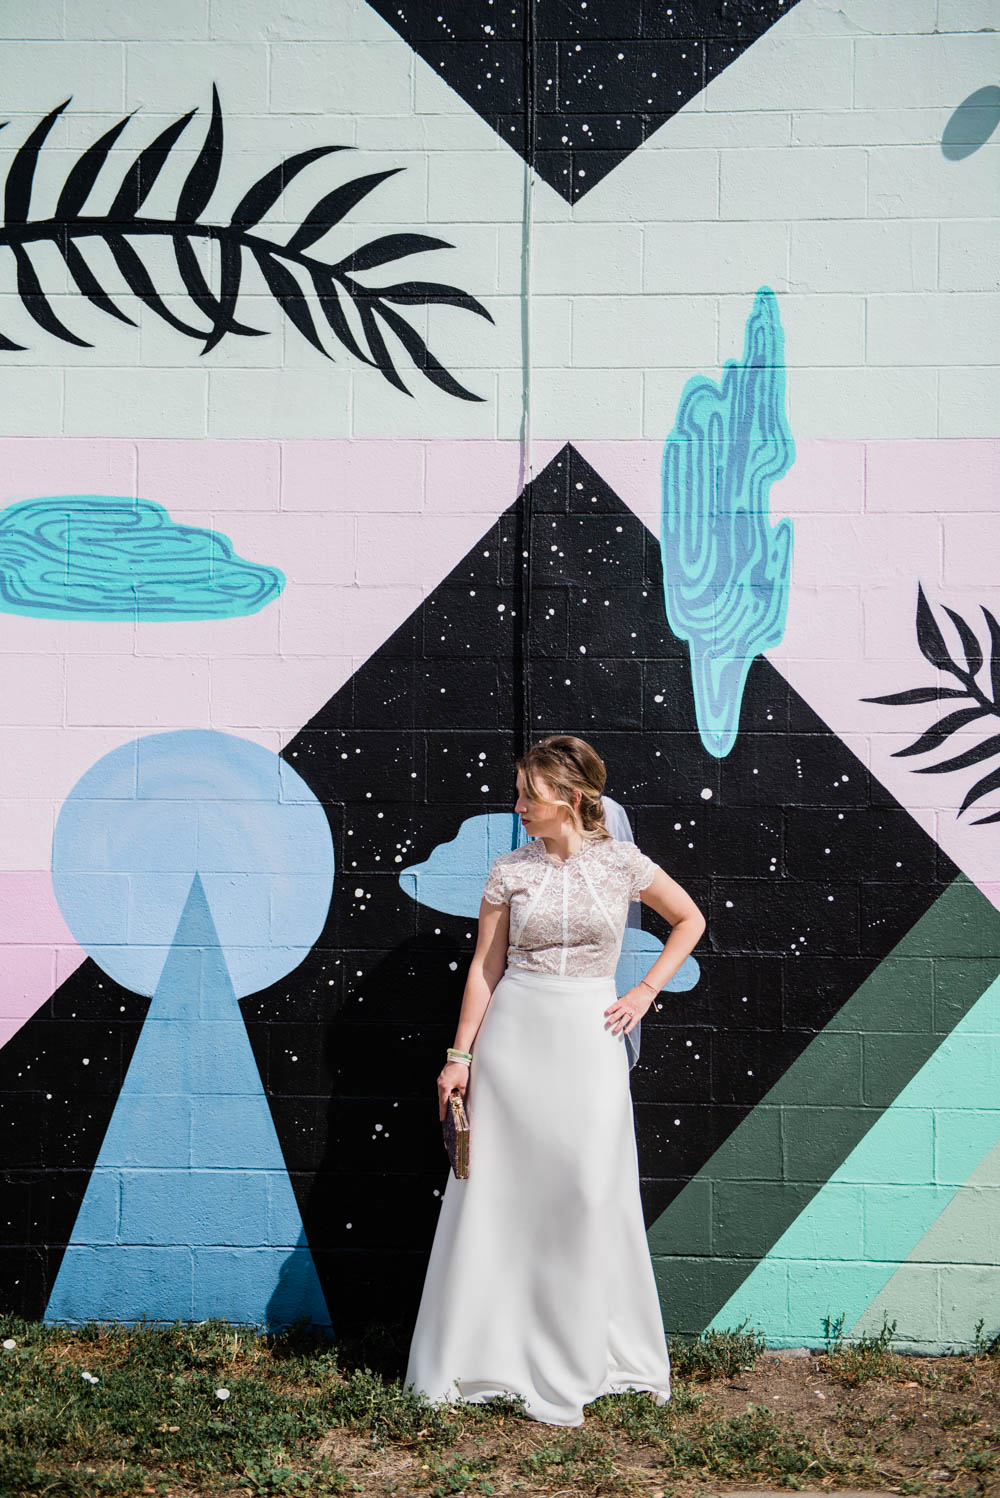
627, 371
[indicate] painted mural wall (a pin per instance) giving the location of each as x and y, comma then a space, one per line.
381, 388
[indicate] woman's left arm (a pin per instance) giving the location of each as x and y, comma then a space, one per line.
675, 905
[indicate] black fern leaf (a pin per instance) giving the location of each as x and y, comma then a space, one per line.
20, 178
984, 787
138, 180
994, 629
287, 269
30, 291
983, 704
81, 179
203, 176
930, 639
334, 207
971, 646
937, 735
917, 695
974, 756
390, 247
87, 281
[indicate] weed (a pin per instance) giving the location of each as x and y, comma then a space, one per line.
586, 1458
717, 1354
982, 1346
460, 1475
869, 1357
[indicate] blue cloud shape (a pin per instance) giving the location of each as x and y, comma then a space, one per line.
106, 557
451, 880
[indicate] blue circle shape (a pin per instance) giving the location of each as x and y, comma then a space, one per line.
151, 814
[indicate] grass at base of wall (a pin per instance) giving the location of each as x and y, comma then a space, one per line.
214, 1409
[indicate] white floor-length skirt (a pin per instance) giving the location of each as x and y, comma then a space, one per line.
540, 1281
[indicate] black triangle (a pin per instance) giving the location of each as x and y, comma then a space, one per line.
600, 76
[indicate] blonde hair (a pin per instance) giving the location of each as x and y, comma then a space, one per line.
569, 764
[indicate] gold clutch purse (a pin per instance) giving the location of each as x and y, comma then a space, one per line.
456, 1135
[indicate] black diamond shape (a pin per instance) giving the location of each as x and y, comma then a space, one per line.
600, 76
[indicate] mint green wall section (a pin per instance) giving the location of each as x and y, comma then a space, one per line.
856, 1231
727, 1219
952, 1276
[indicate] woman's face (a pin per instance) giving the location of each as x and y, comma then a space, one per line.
539, 818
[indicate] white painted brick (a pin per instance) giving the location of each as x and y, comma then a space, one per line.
969, 400
341, 76
592, 403
854, 17
92, 73
432, 95
41, 21
181, 20
870, 127
31, 401
820, 330
803, 182
714, 258
694, 128
282, 403
168, 75
582, 259
934, 328
473, 187
862, 403
863, 255
967, 15
135, 402
381, 411
812, 74
896, 71
656, 183
919, 182
318, 20
430, 132
628, 332
661, 396
550, 325
969, 256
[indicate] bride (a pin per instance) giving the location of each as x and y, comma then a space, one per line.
540, 1283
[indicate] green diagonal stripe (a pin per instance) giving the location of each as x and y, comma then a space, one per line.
733, 1211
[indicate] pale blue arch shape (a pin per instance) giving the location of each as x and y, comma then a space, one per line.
108, 556
148, 816
726, 569
189, 1212
451, 880
852, 1236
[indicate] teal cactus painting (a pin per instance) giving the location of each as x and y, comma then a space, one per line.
726, 568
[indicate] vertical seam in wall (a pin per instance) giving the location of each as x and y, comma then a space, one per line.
523, 539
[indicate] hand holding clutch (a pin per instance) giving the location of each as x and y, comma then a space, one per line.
456, 1135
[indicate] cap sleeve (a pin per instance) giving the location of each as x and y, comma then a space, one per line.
642, 871
494, 890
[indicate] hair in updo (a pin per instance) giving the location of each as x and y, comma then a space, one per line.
569, 764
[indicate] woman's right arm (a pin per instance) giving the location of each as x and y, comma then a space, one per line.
485, 971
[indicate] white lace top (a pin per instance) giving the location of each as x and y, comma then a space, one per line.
568, 916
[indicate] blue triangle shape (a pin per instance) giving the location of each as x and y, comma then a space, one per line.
189, 1212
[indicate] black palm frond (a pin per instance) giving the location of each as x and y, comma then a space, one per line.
312, 293
984, 703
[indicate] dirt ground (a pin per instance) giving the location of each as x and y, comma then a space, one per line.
925, 1426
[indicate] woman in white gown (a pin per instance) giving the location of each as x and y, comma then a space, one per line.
540, 1282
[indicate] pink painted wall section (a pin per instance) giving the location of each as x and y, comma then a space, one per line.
362, 530
38, 948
